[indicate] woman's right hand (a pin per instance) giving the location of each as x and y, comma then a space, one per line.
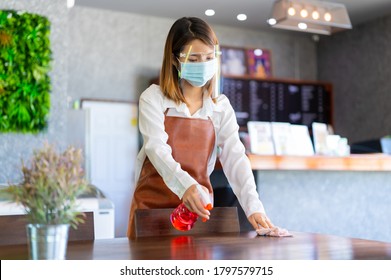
193, 201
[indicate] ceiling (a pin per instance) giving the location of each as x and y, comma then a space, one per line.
257, 11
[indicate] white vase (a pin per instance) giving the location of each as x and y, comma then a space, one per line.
47, 242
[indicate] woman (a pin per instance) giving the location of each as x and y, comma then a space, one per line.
183, 129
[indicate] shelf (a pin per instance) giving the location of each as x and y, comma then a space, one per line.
362, 162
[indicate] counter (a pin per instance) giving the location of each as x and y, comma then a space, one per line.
359, 162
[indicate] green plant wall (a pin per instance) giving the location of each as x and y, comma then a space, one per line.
25, 59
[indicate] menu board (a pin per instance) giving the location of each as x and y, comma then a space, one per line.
278, 101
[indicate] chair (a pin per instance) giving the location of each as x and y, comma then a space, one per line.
154, 222
13, 229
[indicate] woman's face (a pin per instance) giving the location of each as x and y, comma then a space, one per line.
197, 51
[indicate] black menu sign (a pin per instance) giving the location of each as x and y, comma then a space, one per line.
278, 101
237, 93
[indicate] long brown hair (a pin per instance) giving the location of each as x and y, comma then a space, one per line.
181, 33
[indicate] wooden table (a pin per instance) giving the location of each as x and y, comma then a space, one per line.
243, 246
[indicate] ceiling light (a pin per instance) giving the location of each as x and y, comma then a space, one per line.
241, 17
70, 3
304, 13
271, 21
210, 12
315, 14
302, 25
291, 11
325, 17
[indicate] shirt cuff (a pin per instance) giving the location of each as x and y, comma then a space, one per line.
257, 207
186, 183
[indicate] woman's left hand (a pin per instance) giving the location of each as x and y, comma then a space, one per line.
258, 220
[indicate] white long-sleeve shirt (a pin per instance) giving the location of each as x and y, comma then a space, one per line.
234, 161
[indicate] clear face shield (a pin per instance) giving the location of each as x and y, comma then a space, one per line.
199, 67
218, 80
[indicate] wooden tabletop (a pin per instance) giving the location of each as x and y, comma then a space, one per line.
239, 246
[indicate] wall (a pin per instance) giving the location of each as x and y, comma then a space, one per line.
293, 53
14, 146
343, 203
357, 62
114, 55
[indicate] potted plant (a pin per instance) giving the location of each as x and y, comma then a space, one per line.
51, 183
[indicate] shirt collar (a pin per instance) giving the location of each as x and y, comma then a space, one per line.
209, 106
207, 109
168, 103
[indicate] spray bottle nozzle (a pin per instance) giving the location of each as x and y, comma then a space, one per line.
205, 199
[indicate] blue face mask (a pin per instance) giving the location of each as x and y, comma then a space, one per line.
198, 73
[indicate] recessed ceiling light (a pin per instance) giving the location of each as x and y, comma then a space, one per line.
272, 21
70, 3
302, 26
210, 12
241, 17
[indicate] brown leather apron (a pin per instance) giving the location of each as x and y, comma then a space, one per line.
192, 142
